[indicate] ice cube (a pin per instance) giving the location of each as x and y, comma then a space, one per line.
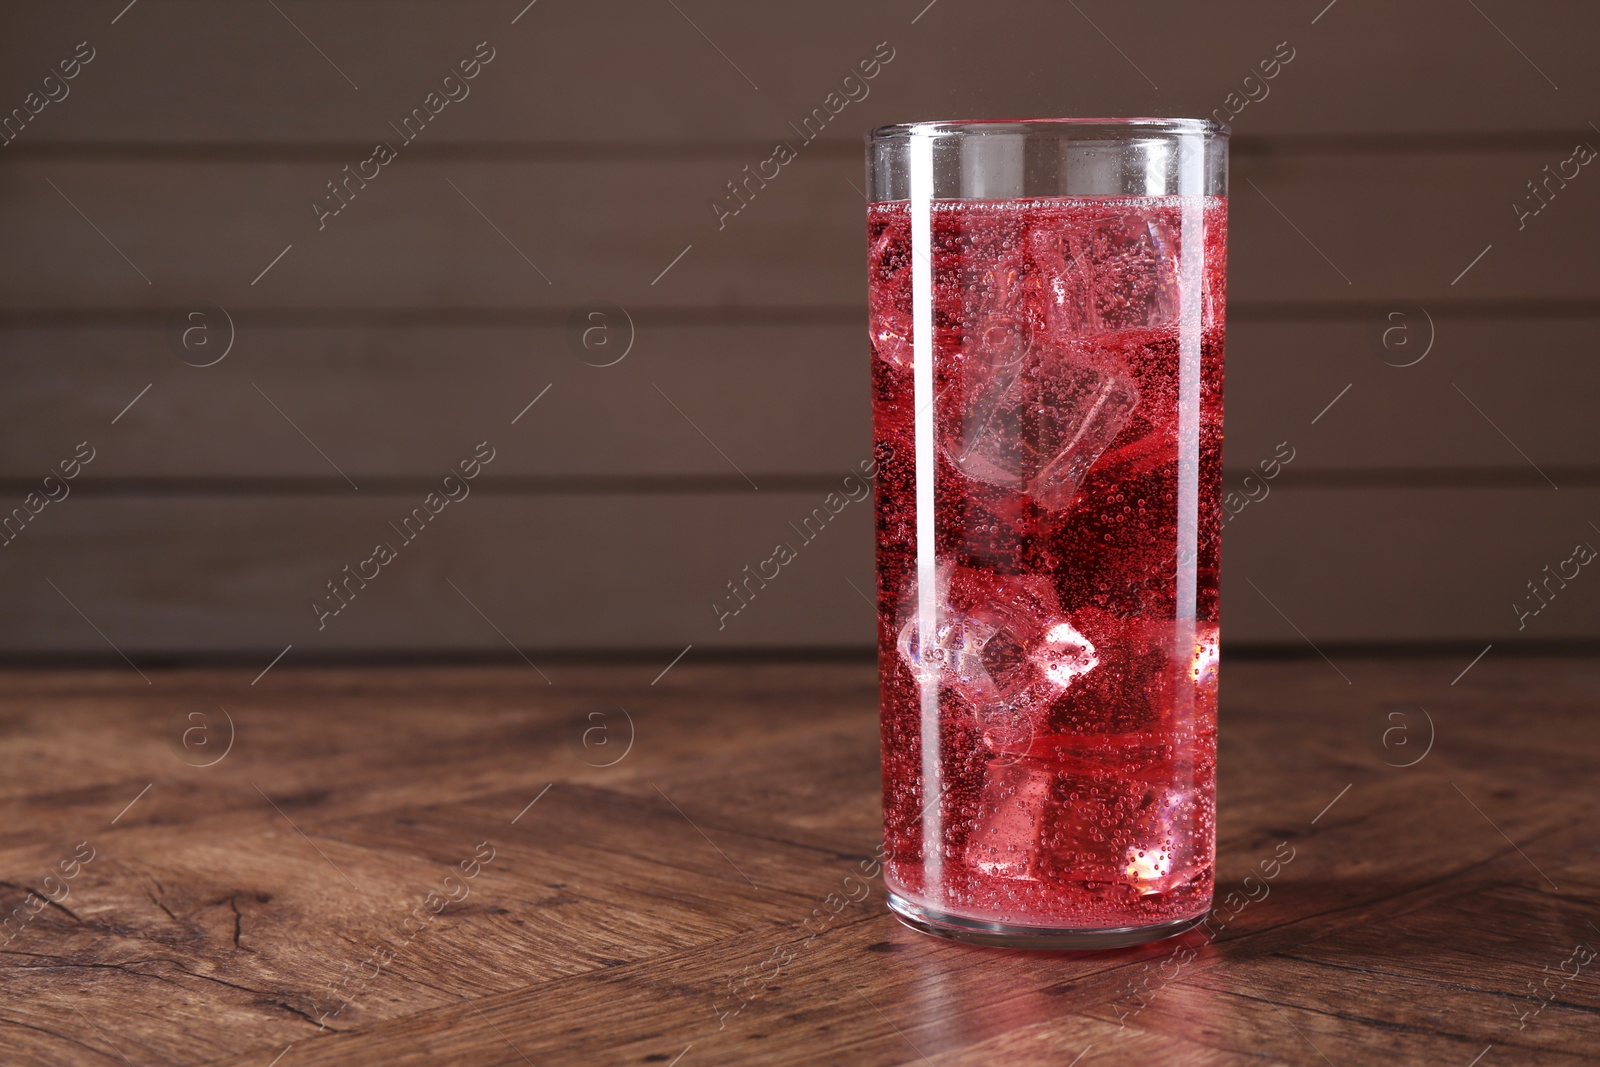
1065, 654
1005, 843
1203, 668
890, 331
1075, 821
1002, 643
1038, 422
1080, 819
1160, 854
889, 305
1115, 272
1138, 693
954, 656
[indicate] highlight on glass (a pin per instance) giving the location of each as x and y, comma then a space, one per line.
1047, 358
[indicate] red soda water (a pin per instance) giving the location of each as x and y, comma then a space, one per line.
1049, 743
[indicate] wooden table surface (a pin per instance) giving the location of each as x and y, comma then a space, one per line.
439, 867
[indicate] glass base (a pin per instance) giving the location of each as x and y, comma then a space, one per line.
1007, 935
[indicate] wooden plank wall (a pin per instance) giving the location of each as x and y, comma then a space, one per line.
372, 349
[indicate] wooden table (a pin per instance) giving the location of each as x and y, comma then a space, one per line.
650, 911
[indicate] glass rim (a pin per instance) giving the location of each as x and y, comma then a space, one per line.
1132, 126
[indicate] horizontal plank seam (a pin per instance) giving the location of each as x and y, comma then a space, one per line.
1370, 311
486, 656
1489, 142
820, 482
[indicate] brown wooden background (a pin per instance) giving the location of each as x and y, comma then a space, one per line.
1383, 161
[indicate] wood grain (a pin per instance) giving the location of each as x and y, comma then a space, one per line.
223, 903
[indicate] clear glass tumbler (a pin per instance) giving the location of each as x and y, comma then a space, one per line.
1047, 333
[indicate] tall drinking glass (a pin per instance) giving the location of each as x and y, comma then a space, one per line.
1047, 330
